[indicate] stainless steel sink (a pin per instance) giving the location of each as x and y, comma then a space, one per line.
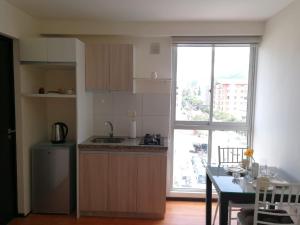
108, 140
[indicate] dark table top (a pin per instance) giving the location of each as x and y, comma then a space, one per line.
225, 183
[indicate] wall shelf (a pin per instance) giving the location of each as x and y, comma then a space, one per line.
49, 95
149, 85
50, 65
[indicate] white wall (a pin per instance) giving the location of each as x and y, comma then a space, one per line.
204, 28
16, 23
277, 116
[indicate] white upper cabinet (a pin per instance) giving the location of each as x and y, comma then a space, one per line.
61, 49
33, 50
48, 50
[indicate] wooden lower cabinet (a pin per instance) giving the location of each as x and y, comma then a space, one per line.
123, 184
93, 176
151, 184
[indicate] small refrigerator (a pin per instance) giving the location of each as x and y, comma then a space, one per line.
53, 178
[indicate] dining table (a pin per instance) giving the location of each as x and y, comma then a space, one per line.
238, 190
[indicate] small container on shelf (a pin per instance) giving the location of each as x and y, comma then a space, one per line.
41, 90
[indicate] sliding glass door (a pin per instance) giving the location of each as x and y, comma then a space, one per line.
211, 106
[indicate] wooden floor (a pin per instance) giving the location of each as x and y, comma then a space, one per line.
177, 213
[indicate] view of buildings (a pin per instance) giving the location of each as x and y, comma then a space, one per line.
191, 146
193, 109
232, 99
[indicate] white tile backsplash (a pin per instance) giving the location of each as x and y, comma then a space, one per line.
103, 103
124, 102
122, 125
99, 127
156, 104
156, 125
152, 110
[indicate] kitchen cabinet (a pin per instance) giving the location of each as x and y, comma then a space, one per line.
97, 67
121, 67
36, 112
93, 181
122, 182
62, 50
33, 50
134, 184
109, 67
151, 180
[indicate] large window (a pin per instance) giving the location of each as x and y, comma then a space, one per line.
211, 107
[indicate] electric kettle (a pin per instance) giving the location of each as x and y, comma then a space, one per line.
59, 133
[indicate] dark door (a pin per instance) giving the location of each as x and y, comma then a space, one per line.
8, 193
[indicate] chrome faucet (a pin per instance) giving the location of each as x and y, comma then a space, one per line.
108, 123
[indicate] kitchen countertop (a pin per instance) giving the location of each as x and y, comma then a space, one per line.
129, 145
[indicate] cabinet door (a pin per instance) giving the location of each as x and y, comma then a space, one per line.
97, 66
151, 183
61, 49
93, 181
121, 67
33, 50
122, 182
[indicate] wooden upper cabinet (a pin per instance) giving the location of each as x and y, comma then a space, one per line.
122, 182
62, 50
121, 67
109, 67
151, 183
93, 187
97, 66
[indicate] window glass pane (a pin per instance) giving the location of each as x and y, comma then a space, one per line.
190, 158
231, 84
193, 83
227, 139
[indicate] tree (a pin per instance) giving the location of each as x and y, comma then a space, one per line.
192, 106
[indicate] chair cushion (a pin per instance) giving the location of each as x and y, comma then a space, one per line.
246, 217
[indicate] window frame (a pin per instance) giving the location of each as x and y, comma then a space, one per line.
209, 125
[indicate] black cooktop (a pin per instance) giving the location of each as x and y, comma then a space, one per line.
152, 139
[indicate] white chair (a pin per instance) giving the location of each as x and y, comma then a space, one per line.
274, 204
229, 156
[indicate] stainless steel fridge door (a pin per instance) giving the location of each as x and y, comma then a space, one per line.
51, 180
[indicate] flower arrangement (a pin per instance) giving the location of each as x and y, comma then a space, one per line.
249, 153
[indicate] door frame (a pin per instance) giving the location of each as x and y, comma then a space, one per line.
13, 64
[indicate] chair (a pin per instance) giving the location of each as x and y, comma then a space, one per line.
274, 204
231, 156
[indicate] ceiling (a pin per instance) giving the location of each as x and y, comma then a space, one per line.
152, 10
